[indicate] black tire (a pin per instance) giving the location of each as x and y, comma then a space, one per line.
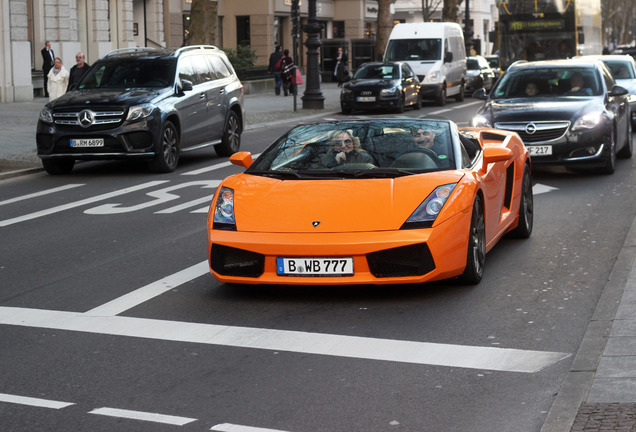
167, 157
459, 97
441, 99
610, 163
418, 103
626, 151
58, 166
526, 208
400, 106
476, 255
231, 140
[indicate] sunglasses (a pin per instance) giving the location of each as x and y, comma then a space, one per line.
345, 142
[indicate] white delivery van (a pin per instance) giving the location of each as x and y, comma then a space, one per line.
436, 53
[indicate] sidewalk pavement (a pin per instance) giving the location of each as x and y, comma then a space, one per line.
599, 393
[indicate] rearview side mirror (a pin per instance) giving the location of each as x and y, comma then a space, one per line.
448, 57
242, 159
496, 154
480, 94
618, 91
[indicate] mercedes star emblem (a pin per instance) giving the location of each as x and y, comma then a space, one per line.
85, 118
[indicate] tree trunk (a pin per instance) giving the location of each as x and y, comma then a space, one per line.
385, 25
202, 23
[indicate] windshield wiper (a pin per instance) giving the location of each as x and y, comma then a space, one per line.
282, 175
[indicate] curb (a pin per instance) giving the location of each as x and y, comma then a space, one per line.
577, 384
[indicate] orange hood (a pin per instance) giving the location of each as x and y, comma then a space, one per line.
264, 204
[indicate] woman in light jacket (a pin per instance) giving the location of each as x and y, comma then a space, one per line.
58, 80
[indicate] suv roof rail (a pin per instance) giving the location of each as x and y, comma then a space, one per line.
194, 47
128, 50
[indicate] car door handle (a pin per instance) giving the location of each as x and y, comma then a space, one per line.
202, 96
221, 91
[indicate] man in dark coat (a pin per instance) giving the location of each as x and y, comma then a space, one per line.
48, 59
77, 71
273, 69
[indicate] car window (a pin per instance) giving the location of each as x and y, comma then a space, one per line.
219, 67
127, 74
202, 69
378, 71
414, 49
385, 148
621, 69
187, 71
472, 64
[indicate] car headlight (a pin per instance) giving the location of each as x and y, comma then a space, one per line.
346, 91
426, 213
432, 78
631, 98
480, 121
472, 73
389, 92
588, 121
224, 210
140, 112
46, 115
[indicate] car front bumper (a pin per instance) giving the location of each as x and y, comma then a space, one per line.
383, 257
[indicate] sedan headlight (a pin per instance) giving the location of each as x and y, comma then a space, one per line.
480, 121
588, 121
389, 92
140, 112
224, 210
46, 115
426, 213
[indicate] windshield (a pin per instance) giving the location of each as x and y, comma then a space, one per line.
384, 148
548, 82
621, 69
378, 71
472, 64
414, 49
126, 74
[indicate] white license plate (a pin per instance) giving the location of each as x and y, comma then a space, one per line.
87, 142
314, 266
366, 99
539, 150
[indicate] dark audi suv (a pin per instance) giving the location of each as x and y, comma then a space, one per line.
147, 104
567, 112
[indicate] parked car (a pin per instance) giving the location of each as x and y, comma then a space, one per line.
623, 68
396, 209
568, 112
143, 103
478, 74
495, 64
388, 85
625, 50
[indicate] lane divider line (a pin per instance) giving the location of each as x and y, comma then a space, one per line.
142, 416
34, 402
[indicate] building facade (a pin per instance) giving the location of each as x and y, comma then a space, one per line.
96, 27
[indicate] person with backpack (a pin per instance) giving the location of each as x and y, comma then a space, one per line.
275, 68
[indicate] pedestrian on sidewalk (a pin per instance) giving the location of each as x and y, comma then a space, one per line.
288, 73
58, 79
274, 68
77, 72
48, 59
341, 71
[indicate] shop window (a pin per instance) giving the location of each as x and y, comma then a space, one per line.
338, 29
243, 30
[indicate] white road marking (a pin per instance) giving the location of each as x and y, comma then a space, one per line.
541, 188
472, 357
40, 193
143, 416
207, 199
75, 204
160, 196
213, 167
227, 427
150, 291
445, 110
35, 402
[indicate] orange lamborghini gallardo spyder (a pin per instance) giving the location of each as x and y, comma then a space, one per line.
380, 201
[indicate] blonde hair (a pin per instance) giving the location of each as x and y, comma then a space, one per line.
335, 134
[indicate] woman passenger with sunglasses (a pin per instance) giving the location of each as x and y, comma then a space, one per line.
344, 148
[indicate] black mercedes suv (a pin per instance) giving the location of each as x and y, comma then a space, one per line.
148, 104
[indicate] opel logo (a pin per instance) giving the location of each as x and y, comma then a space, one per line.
85, 118
315, 223
531, 128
